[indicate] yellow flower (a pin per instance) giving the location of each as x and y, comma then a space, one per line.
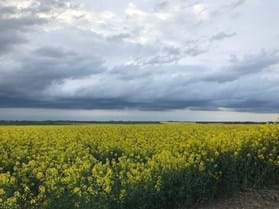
39, 175
2, 192
42, 189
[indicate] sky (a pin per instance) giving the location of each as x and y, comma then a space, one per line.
139, 60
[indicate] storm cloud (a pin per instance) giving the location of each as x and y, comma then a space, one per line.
142, 56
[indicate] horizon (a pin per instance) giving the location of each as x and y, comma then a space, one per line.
158, 60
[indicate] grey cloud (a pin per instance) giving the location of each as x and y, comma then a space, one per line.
251, 64
172, 54
194, 51
221, 36
7, 10
229, 7
13, 28
44, 66
53, 52
13, 32
161, 6
118, 37
19, 24
15, 22
167, 4
236, 3
8, 40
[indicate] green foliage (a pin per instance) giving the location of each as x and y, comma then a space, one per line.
132, 166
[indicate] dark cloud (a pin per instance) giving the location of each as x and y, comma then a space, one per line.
13, 25
44, 66
40, 78
254, 105
251, 64
101, 103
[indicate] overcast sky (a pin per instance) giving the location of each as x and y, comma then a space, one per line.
139, 59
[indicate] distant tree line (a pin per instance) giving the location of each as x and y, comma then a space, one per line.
69, 122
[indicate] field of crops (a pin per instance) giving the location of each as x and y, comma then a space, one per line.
132, 166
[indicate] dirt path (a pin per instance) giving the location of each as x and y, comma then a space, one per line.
262, 199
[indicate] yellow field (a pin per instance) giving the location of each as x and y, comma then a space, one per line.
132, 166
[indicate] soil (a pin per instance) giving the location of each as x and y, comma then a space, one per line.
249, 199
